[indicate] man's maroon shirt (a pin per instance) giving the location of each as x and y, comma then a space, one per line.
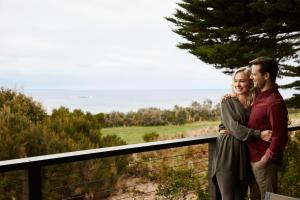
269, 113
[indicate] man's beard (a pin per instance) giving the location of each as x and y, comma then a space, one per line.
260, 85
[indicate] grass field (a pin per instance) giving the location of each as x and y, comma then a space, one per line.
135, 134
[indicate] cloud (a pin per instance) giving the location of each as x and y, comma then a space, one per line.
96, 44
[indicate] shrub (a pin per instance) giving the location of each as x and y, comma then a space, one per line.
149, 137
26, 130
289, 175
178, 183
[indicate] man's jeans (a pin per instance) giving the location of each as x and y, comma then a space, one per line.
266, 177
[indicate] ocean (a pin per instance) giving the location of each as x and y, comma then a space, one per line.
96, 101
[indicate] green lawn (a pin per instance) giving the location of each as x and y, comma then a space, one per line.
135, 134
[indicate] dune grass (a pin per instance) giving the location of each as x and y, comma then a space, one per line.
135, 134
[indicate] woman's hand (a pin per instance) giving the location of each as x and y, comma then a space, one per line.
228, 96
266, 135
224, 131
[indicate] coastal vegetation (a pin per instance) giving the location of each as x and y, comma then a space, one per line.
27, 130
157, 117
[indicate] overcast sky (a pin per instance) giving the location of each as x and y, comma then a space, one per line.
96, 44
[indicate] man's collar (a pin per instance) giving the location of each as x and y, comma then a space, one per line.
267, 92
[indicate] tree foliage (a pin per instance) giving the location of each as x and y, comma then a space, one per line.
26, 130
156, 117
229, 33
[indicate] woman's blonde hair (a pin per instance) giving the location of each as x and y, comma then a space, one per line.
252, 90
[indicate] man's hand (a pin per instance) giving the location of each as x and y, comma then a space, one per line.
266, 135
261, 163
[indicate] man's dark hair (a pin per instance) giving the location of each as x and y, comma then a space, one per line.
267, 64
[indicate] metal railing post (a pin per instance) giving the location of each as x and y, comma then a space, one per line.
34, 181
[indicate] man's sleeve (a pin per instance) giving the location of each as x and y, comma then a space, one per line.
277, 114
230, 121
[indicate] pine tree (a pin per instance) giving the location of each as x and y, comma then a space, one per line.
229, 33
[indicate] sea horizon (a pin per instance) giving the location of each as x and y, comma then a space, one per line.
125, 100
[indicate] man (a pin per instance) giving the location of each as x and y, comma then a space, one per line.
268, 113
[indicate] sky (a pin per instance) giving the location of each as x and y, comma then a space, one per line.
97, 44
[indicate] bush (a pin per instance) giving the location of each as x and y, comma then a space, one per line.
181, 116
289, 176
178, 183
149, 137
156, 117
150, 117
26, 130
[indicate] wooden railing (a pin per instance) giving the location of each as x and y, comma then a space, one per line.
33, 165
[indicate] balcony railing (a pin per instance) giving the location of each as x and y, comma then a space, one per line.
33, 166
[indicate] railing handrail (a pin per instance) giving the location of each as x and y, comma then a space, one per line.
33, 165
59, 158
294, 128
52, 159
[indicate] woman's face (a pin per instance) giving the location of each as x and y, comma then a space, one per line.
241, 84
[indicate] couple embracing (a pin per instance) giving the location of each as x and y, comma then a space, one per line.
253, 133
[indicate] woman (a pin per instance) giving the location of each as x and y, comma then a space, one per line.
231, 168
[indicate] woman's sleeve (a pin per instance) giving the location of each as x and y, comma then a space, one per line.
236, 129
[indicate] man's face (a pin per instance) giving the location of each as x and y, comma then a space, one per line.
258, 78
